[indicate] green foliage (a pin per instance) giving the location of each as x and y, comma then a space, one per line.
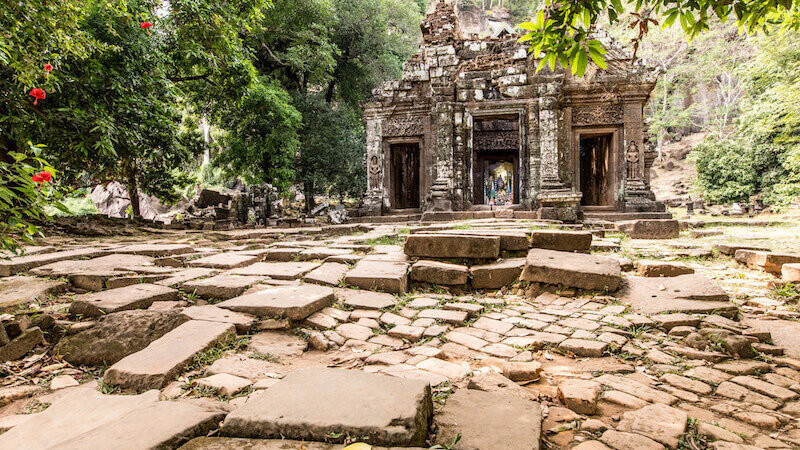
80, 204
762, 153
22, 200
562, 30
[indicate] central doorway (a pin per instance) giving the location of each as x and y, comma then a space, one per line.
496, 144
405, 175
595, 165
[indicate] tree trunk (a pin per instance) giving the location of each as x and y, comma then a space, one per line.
133, 193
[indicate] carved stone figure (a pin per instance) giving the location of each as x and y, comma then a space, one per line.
632, 158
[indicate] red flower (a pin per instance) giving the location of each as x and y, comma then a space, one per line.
48, 68
37, 94
36, 178
46, 176
146, 25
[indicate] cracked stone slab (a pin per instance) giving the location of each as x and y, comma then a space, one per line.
309, 404
164, 358
386, 276
21, 291
293, 302
572, 269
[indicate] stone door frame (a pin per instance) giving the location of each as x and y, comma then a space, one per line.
617, 147
387, 165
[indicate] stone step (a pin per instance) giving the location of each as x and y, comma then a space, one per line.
452, 246
510, 240
313, 404
572, 269
164, 358
497, 274
436, 272
84, 418
138, 296
293, 302
562, 240
18, 264
650, 228
386, 276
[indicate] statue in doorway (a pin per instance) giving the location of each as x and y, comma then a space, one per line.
632, 158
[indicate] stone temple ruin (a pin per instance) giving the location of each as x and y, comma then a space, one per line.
472, 126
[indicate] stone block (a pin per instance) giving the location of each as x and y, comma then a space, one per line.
293, 302
682, 294
313, 404
572, 270
138, 296
18, 264
386, 276
562, 240
439, 273
223, 286
648, 268
20, 291
791, 272
766, 261
278, 270
497, 274
21, 345
211, 313
452, 246
328, 274
579, 395
650, 228
230, 260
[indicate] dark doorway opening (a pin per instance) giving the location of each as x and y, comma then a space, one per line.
595, 160
405, 175
495, 159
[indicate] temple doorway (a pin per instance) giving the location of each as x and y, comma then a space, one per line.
495, 159
405, 175
595, 170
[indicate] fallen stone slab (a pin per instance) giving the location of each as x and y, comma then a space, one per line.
231, 260
562, 240
225, 383
650, 228
682, 294
219, 443
647, 268
316, 403
117, 335
505, 421
162, 360
293, 302
18, 264
365, 299
435, 272
636, 389
222, 286
277, 344
791, 273
20, 291
584, 347
242, 322
321, 253
85, 418
328, 274
497, 274
572, 269
659, 422
452, 246
178, 278
155, 250
21, 344
278, 270
137, 296
386, 276
629, 441
510, 240
766, 261
282, 254
579, 395
112, 265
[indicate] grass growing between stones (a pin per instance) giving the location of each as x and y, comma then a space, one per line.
391, 239
692, 439
205, 358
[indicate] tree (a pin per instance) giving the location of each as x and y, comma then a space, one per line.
562, 31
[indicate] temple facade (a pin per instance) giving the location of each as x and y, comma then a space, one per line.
471, 126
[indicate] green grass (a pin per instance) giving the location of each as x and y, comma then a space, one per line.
385, 240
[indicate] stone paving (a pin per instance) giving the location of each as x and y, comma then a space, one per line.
489, 334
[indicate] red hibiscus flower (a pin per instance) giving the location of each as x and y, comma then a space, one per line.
146, 25
37, 94
48, 68
36, 178
46, 176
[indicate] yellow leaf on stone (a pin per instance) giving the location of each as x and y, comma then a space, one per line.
358, 446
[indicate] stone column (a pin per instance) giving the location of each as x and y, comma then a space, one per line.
372, 203
533, 180
548, 138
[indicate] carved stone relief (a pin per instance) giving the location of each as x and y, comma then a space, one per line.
496, 140
374, 170
407, 126
597, 115
632, 159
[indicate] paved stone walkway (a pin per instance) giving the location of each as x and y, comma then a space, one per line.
507, 333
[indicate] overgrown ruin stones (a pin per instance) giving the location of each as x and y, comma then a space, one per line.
439, 273
164, 358
21, 344
293, 302
505, 421
131, 297
452, 246
85, 418
117, 335
562, 240
685, 293
372, 274
650, 228
317, 403
497, 274
572, 270
18, 264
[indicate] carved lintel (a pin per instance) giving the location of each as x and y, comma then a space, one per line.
597, 114
496, 140
406, 126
